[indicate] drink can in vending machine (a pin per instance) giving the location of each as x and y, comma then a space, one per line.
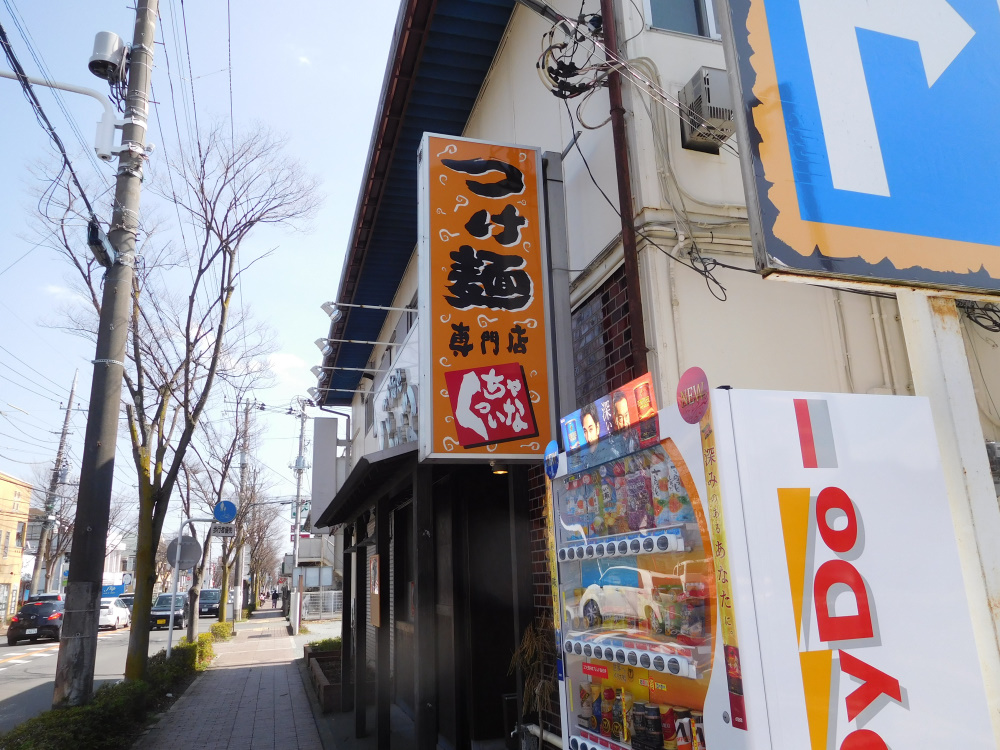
683, 724
653, 735
668, 726
595, 708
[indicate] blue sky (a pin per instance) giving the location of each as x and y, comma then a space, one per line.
311, 71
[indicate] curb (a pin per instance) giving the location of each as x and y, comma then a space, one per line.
322, 725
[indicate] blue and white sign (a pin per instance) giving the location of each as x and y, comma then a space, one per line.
112, 591
862, 121
224, 511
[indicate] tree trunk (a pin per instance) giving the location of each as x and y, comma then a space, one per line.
194, 594
145, 579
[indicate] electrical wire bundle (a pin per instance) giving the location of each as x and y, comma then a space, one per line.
119, 84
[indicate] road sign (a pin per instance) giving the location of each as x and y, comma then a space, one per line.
224, 511
223, 529
190, 552
126, 579
854, 164
112, 590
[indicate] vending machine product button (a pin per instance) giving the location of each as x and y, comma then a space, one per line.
598, 652
674, 665
635, 547
644, 661
577, 648
633, 659
648, 544
590, 550
662, 543
622, 548
658, 663
569, 647
574, 744
599, 549
620, 656
587, 650
562, 555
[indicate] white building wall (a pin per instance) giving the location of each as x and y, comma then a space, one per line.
767, 334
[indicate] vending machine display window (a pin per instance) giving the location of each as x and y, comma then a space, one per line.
637, 589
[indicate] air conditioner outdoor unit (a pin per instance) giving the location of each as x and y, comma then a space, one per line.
707, 116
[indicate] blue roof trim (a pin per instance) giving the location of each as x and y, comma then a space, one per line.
459, 48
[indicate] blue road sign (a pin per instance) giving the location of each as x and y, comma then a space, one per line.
860, 167
224, 511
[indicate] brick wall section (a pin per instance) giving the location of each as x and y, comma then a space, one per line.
603, 361
602, 341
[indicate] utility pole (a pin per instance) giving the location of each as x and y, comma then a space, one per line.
300, 468
244, 457
45, 539
74, 679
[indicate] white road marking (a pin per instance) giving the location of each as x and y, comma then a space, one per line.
18, 661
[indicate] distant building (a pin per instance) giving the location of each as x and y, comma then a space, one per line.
15, 496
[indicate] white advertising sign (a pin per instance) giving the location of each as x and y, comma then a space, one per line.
864, 631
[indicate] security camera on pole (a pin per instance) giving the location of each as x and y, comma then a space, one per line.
74, 679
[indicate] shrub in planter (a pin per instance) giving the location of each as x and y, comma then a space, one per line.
221, 631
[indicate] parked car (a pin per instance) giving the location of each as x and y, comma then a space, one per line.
36, 620
127, 600
47, 598
208, 601
114, 614
159, 615
625, 592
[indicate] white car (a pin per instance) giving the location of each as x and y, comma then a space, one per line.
624, 592
114, 614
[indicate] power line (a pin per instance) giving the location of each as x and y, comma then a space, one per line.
29, 390
22, 28
3, 348
20, 375
29, 93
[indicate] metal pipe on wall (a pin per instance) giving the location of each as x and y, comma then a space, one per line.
626, 210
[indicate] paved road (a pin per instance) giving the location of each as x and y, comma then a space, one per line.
27, 670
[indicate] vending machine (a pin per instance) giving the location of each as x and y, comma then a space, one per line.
750, 570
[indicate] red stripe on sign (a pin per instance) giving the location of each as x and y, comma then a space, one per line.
805, 433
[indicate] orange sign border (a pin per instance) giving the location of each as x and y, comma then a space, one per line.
437, 438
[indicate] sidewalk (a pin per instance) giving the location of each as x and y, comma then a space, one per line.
252, 697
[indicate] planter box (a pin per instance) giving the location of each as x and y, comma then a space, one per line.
328, 693
310, 654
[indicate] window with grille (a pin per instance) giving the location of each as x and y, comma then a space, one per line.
602, 341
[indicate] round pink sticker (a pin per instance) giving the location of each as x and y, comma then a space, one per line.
692, 395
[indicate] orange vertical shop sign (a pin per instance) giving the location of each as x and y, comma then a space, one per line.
484, 360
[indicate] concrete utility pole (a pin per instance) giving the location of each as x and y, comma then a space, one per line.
238, 572
74, 680
300, 468
45, 539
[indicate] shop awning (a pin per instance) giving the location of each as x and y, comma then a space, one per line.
373, 475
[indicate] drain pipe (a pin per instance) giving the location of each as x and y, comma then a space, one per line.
625, 197
544, 736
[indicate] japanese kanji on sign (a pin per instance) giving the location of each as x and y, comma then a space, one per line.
483, 302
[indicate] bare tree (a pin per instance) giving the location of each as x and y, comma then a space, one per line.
262, 539
121, 520
184, 334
